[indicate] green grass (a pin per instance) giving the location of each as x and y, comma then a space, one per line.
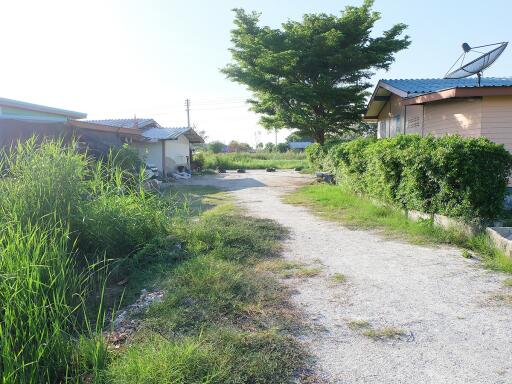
507, 282
288, 269
338, 278
383, 333
337, 203
358, 324
224, 318
258, 160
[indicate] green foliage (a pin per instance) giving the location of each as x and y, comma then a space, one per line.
258, 160
315, 154
459, 177
198, 160
216, 147
126, 159
220, 320
312, 75
281, 147
269, 147
62, 216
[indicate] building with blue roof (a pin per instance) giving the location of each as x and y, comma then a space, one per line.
444, 106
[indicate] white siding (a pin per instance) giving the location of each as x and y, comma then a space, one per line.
177, 153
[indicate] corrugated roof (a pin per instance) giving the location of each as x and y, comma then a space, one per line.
299, 144
41, 108
126, 123
165, 133
415, 87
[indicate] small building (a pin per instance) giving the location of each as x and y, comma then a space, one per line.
168, 149
298, 145
443, 106
20, 120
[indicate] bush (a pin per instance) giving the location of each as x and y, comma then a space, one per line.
198, 161
460, 177
315, 154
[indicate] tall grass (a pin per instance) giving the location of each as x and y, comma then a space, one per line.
258, 160
62, 217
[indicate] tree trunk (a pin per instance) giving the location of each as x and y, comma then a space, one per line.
320, 137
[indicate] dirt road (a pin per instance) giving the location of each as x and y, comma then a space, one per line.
455, 325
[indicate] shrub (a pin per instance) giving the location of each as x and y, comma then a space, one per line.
459, 177
198, 161
315, 154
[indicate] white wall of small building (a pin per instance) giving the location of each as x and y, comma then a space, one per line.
150, 152
177, 152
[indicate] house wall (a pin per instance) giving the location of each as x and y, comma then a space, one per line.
458, 116
391, 118
413, 119
177, 153
497, 119
150, 152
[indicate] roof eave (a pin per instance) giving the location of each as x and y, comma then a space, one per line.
461, 92
42, 108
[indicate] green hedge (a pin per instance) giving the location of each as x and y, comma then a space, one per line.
459, 177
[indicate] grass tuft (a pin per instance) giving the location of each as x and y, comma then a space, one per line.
383, 333
338, 278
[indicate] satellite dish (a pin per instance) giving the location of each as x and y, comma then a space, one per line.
476, 66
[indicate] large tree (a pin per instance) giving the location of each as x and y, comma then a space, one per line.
312, 75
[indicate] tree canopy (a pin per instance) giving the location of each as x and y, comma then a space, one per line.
312, 75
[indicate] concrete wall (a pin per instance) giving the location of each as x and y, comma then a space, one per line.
151, 153
177, 153
458, 116
497, 119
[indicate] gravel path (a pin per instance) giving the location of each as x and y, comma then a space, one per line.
456, 328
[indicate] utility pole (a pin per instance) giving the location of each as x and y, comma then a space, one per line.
275, 129
187, 105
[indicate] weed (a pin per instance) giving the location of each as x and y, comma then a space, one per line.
338, 278
383, 333
507, 282
358, 324
306, 271
466, 254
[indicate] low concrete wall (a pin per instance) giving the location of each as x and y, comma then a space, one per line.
445, 222
502, 238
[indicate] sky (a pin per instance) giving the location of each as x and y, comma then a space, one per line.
119, 59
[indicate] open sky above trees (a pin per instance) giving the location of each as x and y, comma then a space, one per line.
145, 58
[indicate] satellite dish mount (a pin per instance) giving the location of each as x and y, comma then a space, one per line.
476, 66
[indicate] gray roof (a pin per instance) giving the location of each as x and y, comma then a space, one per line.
162, 133
299, 144
415, 87
41, 108
126, 123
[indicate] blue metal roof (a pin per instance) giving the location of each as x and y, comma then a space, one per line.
415, 87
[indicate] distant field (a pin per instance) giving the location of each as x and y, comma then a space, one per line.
259, 160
